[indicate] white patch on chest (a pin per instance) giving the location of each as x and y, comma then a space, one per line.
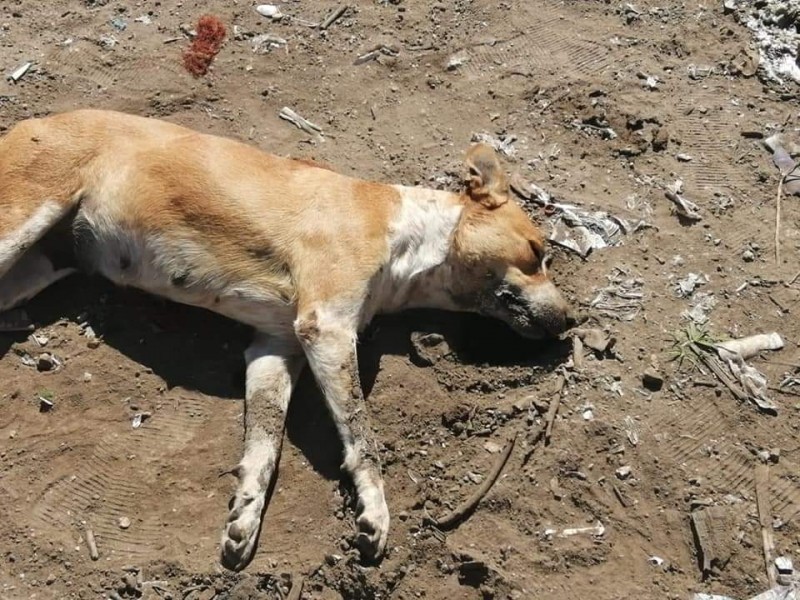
419, 239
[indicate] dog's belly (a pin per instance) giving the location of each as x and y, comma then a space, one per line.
182, 270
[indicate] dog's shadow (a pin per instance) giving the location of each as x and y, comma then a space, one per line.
195, 349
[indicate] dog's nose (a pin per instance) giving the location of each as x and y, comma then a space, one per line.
571, 319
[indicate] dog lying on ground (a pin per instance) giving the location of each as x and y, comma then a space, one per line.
300, 253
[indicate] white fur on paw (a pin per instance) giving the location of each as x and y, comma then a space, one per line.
373, 527
241, 531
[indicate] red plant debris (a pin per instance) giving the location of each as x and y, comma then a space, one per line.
205, 46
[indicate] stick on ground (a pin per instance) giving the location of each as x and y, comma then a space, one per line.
465, 509
765, 520
552, 410
297, 588
90, 541
778, 222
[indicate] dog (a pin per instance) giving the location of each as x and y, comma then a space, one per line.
302, 254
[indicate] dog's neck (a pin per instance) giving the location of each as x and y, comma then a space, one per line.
420, 238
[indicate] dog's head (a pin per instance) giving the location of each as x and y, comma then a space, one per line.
497, 259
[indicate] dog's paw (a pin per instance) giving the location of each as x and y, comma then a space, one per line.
241, 531
373, 528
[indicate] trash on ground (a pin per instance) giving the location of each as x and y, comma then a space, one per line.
19, 72
504, 144
752, 381
139, 419
782, 158
265, 42
689, 284
621, 299
205, 46
773, 24
750, 346
575, 228
287, 114
701, 305
596, 530
684, 208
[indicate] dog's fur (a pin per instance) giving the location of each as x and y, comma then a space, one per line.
302, 254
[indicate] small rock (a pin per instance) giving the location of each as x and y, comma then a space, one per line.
623, 472
784, 565
428, 348
474, 477
51, 579
491, 447
332, 559
660, 140
124, 522
652, 380
45, 404
748, 255
87, 377
45, 362
683, 157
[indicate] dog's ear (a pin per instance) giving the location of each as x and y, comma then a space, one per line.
486, 181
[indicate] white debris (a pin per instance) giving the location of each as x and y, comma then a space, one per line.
687, 285
621, 299
774, 25
270, 11
503, 144
19, 72
751, 346
702, 303
266, 41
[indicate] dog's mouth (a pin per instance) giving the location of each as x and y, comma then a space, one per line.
526, 317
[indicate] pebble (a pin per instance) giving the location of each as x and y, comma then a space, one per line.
45, 362
124, 522
652, 380
624, 472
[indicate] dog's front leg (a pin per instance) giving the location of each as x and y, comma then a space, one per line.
330, 346
272, 370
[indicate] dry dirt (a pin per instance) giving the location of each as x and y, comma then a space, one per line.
529, 69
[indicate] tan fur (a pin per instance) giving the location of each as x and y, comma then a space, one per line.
305, 255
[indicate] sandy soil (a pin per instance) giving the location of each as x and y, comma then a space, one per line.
552, 74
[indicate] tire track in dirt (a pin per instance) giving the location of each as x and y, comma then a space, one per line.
544, 46
711, 433
82, 59
118, 478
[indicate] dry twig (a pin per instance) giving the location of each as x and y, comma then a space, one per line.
465, 509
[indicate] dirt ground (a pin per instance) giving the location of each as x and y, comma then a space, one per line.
551, 74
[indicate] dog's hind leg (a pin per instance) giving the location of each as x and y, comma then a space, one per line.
28, 276
272, 370
24, 221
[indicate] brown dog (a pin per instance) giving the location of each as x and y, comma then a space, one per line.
302, 254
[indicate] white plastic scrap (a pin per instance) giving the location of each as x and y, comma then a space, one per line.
773, 24
702, 304
753, 382
687, 285
504, 144
576, 228
622, 299
779, 592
